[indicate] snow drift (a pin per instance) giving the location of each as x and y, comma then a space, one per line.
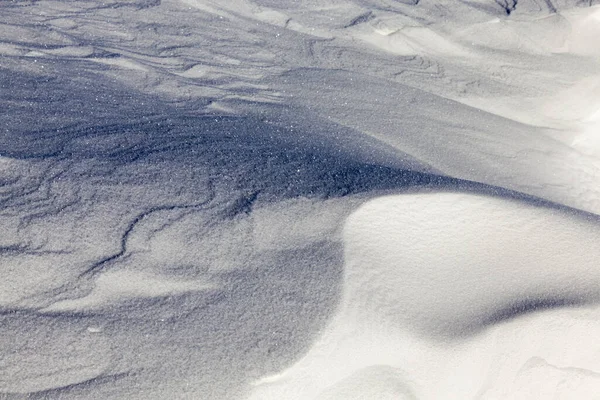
303, 199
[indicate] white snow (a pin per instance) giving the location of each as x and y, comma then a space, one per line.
206, 199
427, 278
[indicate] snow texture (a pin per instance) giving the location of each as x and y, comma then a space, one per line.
299, 200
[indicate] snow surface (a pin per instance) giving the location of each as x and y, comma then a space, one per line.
299, 200
437, 299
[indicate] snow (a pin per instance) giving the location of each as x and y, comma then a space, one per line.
299, 200
436, 284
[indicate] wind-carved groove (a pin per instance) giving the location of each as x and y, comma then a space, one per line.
361, 19
508, 5
55, 392
26, 249
243, 205
551, 6
99, 266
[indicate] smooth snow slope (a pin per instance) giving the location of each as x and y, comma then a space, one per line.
191, 199
424, 273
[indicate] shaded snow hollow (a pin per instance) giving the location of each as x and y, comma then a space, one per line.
299, 200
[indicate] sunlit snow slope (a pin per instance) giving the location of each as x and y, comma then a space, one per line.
350, 199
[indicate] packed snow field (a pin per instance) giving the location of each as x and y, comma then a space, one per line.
300, 200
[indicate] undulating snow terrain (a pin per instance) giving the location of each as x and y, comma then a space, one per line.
300, 200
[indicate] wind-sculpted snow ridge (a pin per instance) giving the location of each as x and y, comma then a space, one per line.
464, 271
228, 57
299, 200
172, 248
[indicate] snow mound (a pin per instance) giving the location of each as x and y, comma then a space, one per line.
451, 295
441, 262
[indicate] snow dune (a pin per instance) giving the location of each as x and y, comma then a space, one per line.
427, 272
333, 199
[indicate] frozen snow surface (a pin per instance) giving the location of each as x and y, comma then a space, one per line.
300, 200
